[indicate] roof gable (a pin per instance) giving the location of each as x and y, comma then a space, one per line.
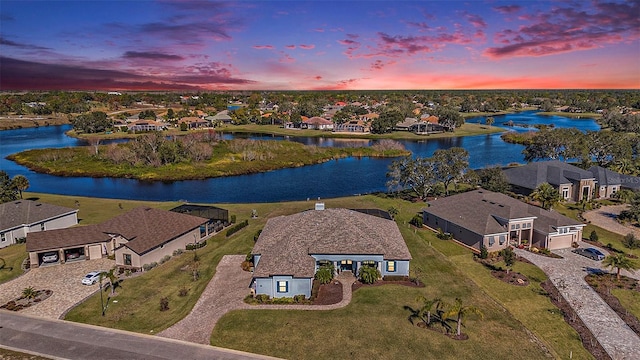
28, 212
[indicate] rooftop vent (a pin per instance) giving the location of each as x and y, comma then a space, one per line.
319, 206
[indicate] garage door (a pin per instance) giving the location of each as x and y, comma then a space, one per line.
95, 252
560, 242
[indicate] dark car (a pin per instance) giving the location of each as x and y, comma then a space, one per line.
591, 253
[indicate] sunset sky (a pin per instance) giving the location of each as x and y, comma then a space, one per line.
319, 45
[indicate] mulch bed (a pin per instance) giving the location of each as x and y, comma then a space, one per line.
603, 283
357, 285
22, 302
512, 277
329, 294
570, 317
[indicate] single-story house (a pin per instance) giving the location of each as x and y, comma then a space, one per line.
317, 123
290, 249
18, 218
353, 127
608, 182
426, 128
222, 117
573, 183
497, 221
146, 125
140, 236
405, 124
193, 122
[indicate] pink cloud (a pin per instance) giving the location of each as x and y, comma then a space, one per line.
507, 9
290, 47
307, 47
476, 21
286, 58
320, 30
263, 47
569, 29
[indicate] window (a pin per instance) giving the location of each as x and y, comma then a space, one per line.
526, 226
283, 286
503, 239
513, 227
42, 227
3, 237
517, 226
491, 241
391, 266
369, 263
346, 262
565, 193
613, 190
127, 259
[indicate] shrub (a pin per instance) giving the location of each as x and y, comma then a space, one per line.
593, 236
416, 220
164, 304
508, 256
177, 252
282, 300
443, 235
146, 267
246, 265
153, 264
484, 253
233, 219
183, 291
324, 275
368, 274
630, 241
237, 228
195, 246
257, 235
299, 298
165, 259
21, 240
262, 298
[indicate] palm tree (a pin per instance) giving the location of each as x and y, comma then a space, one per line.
547, 195
459, 312
20, 183
623, 166
113, 280
620, 262
427, 305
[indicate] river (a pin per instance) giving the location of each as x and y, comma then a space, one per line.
336, 178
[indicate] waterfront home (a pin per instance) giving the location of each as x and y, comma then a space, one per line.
290, 249
193, 122
138, 237
317, 123
18, 218
405, 124
146, 125
496, 221
353, 127
609, 182
573, 183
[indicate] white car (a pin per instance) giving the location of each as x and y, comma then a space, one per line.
50, 257
91, 278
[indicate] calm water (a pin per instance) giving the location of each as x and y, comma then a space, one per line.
332, 179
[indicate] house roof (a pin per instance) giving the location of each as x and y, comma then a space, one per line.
484, 212
316, 120
29, 212
553, 172
148, 228
65, 238
605, 177
630, 182
287, 242
407, 122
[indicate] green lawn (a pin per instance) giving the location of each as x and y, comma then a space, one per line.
629, 299
13, 257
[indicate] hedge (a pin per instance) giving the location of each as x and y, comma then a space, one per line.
237, 228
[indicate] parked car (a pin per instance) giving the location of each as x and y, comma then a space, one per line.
591, 253
50, 257
91, 278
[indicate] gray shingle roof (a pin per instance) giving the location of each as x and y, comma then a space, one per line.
553, 172
605, 177
28, 212
630, 182
480, 211
286, 242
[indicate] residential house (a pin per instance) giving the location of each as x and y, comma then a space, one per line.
218, 217
496, 221
353, 127
608, 182
140, 236
573, 183
146, 125
292, 248
405, 124
317, 123
367, 118
18, 218
193, 122
221, 118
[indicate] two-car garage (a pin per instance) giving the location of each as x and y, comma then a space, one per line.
67, 245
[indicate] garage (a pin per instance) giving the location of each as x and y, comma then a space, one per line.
74, 254
48, 257
95, 252
560, 242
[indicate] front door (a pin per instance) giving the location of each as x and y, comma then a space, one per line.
346, 265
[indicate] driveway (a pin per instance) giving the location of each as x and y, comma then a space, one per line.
226, 292
63, 279
567, 274
605, 217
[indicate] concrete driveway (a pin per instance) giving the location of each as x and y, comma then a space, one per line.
567, 274
605, 217
63, 279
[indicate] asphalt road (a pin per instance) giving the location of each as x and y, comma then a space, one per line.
67, 340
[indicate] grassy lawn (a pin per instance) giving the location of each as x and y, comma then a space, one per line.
13, 256
629, 299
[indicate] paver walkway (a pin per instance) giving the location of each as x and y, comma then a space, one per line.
567, 274
63, 279
226, 292
605, 217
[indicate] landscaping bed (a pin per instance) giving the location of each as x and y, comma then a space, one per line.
512, 277
604, 283
26, 301
405, 282
329, 294
571, 317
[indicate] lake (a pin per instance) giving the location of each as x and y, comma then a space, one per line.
336, 178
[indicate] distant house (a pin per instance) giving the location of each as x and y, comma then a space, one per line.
353, 127
317, 123
221, 118
573, 183
18, 218
193, 122
496, 221
146, 125
405, 124
140, 236
426, 128
292, 248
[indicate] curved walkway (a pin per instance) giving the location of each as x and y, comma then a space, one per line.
567, 274
226, 292
605, 217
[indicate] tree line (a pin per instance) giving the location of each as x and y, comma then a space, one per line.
11, 188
